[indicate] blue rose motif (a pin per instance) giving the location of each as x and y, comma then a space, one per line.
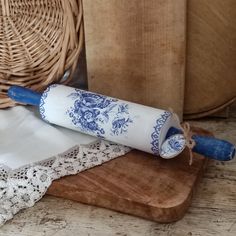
90, 115
90, 111
117, 124
120, 125
123, 108
89, 100
92, 125
175, 144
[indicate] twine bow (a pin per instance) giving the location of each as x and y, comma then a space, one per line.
187, 133
190, 143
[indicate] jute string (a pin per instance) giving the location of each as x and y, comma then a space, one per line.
188, 134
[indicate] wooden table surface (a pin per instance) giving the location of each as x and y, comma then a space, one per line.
213, 210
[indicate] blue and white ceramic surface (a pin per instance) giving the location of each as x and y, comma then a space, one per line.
172, 146
130, 124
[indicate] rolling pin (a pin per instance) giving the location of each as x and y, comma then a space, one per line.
141, 127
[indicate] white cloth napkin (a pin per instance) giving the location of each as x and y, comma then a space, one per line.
26, 139
34, 153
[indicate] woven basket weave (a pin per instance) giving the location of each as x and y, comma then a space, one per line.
39, 41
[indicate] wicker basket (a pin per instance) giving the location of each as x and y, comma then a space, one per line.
39, 41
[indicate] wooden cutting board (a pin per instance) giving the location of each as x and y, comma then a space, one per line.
138, 184
133, 46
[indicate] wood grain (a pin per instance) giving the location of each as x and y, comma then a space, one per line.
60, 217
136, 50
137, 184
211, 213
211, 56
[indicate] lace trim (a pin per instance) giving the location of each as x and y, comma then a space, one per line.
23, 187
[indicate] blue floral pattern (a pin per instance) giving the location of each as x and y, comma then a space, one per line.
42, 101
91, 111
173, 146
156, 133
121, 121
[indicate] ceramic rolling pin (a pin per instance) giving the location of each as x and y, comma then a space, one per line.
141, 127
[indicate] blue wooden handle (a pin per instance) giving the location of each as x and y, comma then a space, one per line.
24, 95
209, 146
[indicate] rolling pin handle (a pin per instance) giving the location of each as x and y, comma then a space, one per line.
24, 95
210, 147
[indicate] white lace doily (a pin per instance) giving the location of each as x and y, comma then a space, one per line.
23, 187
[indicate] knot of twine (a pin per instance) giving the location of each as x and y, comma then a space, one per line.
190, 143
187, 133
